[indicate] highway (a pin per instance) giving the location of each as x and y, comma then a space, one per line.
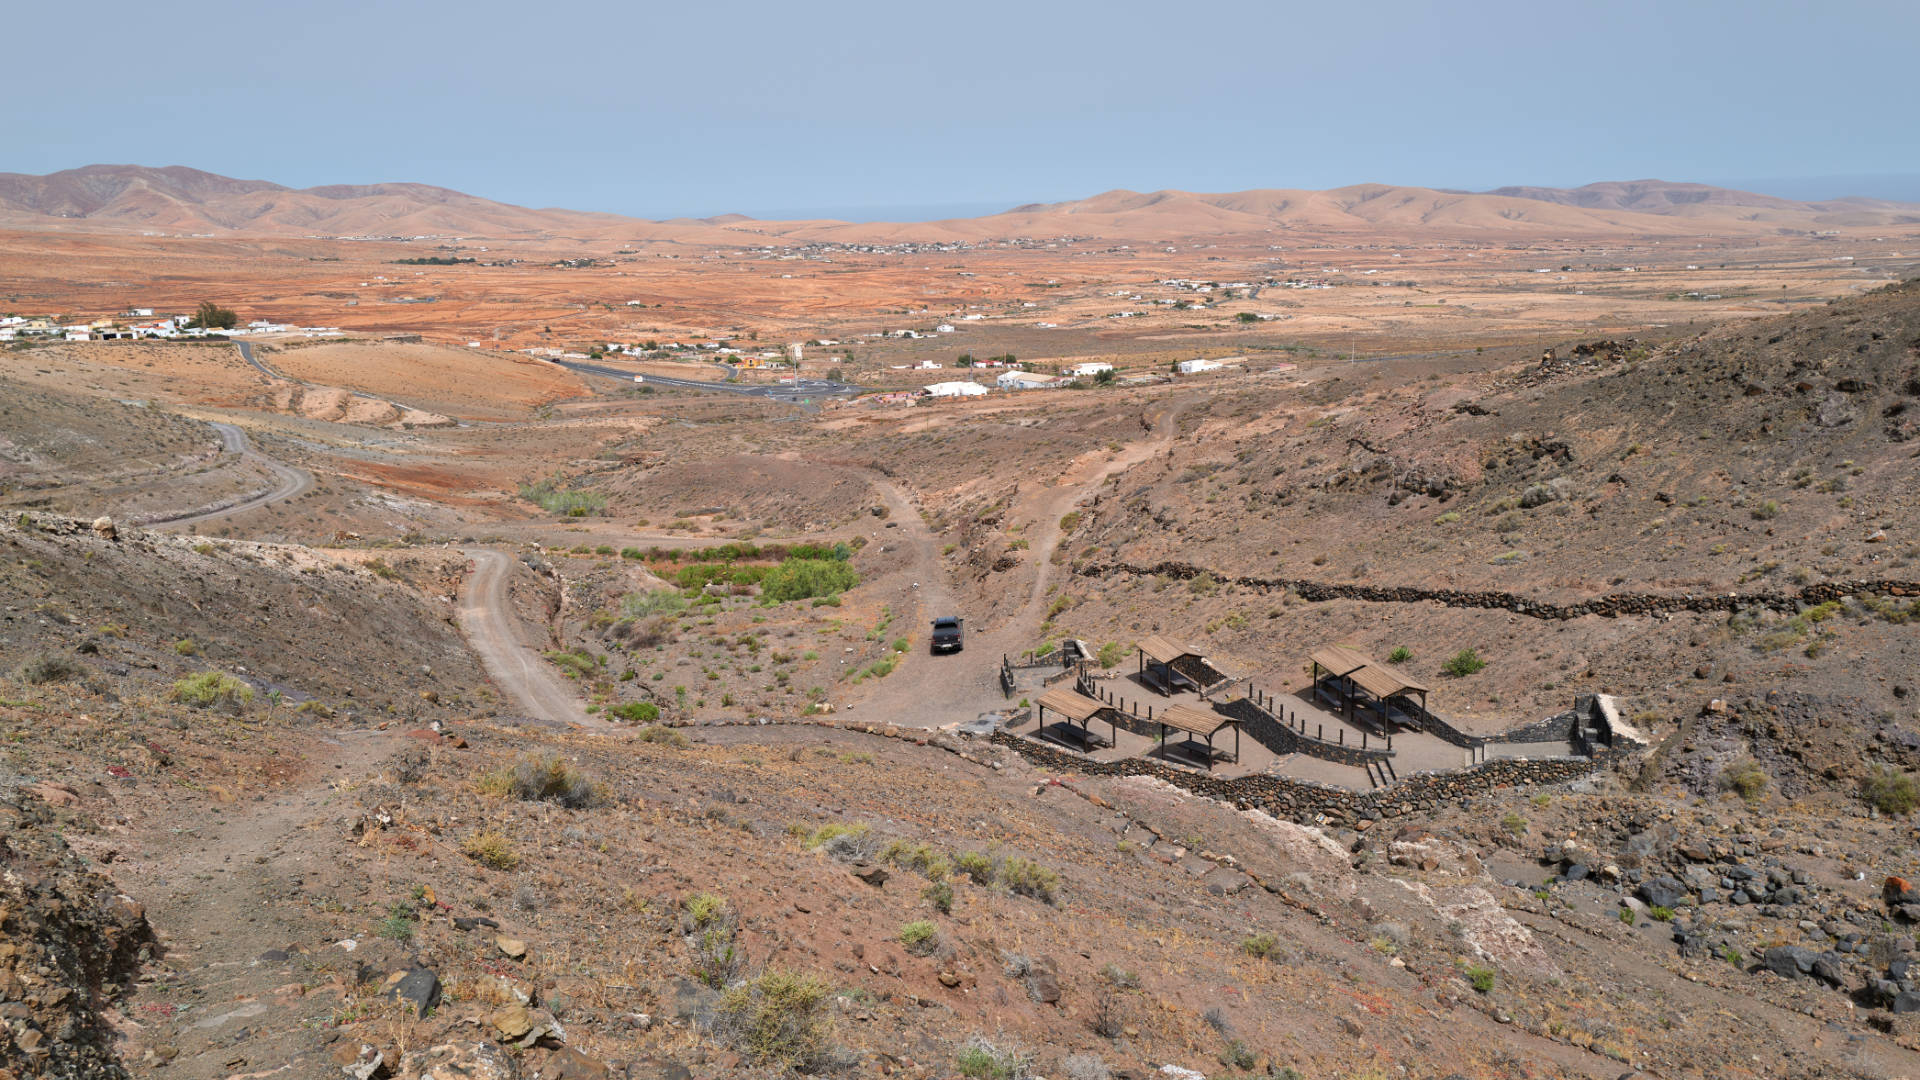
801, 391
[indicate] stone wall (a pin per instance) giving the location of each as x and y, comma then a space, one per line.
1612, 605
1276, 736
1298, 800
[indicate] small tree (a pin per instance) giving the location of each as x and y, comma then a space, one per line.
211, 316
1463, 663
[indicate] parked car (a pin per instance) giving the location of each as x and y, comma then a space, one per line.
946, 634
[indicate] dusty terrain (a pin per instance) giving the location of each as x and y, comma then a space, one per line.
427, 708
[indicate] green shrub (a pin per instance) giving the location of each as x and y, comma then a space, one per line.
1514, 823
1766, 511
1111, 654
705, 908
212, 690
1260, 946
186, 647
657, 602
1238, 1055
976, 866
635, 712
398, 925
984, 1059
1660, 914
899, 644
779, 1019
1627, 916
575, 662
1890, 791
492, 849
554, 500
802, 579
1029, 878
1463, 663
1481, 978
1400, 655
1744, 778
940, 895
920, 937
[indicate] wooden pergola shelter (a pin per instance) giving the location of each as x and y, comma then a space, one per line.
1082, 710
1340, 663
1194, 722
1385, 685
1352, 673
1160, 661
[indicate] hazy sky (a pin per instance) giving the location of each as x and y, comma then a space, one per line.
656, 109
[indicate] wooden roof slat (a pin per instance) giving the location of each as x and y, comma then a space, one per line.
1192, 720
1382, 683
1164, 651
1074, 706
1339, 659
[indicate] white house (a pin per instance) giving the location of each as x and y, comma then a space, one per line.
1027, 380
956, 389
1190, 367
1089, 368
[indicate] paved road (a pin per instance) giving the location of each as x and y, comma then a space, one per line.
486, 617
798, 392
246, 353
289, 482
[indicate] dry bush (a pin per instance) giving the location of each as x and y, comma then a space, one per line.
50, 668
779, 1019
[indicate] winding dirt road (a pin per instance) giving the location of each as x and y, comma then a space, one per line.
486, 617
290, 482
934, 691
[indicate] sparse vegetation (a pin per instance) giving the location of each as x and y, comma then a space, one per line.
1463, 663
661, 735
920, 937
550, 497
1745, 778
635, 712
491, 849
544, 779
778, 1019
49, 668
1481, 979
1890, 791
1261, 946
212, 690
998, 1058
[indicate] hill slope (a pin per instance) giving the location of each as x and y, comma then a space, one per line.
178, 199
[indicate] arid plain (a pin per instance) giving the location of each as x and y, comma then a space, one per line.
439, 697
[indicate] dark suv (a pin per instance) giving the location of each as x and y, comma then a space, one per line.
946, 634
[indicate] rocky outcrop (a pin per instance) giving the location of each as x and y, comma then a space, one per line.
69, 946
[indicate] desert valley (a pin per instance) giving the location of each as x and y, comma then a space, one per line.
1401, 633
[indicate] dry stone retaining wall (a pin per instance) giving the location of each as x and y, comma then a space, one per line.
1309, 803
1610, 606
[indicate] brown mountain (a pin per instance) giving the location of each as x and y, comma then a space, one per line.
183, 200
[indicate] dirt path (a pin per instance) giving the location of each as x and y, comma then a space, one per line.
218, 881
934, 691
289, 482
487, 619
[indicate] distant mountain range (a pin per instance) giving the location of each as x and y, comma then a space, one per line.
178, 200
